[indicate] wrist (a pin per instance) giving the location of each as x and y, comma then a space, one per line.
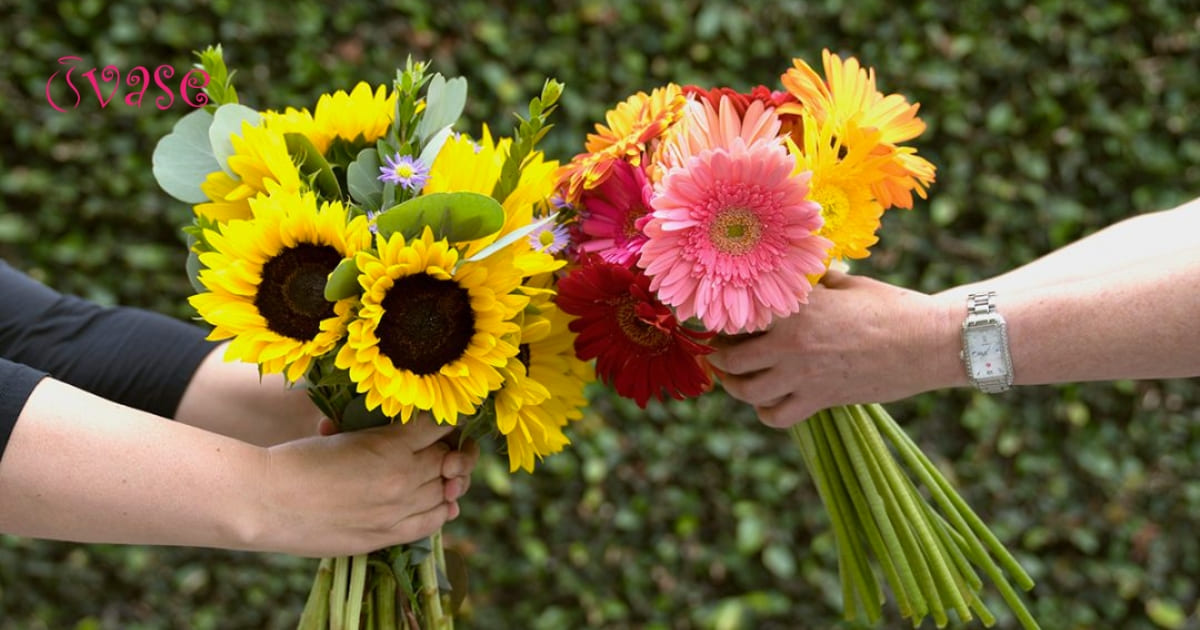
944, 345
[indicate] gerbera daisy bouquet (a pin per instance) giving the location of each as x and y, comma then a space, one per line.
700, 212
392, 267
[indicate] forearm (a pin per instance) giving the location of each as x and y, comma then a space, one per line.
229, 398
81, 468
1136, 321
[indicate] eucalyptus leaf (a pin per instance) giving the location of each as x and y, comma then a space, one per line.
455, 216
183, 158
444, 103
362, 178
510, 238
227, 121
343, 281
193, 271
356, 416
313, 164
432, 148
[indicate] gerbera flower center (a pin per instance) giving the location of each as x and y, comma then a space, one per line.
427, 323
291, 295
630, 228
834, 202
636, 329
735, 231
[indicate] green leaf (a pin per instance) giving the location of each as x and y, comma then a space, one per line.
193, 268
184, 157
510, 238
456, 216
362, 178
444, 103
356, 416
226, 123
313, 165
343, 281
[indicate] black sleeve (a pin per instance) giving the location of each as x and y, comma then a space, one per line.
16, 383
130, 356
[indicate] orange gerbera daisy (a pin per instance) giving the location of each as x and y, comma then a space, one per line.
848, 96
634, 129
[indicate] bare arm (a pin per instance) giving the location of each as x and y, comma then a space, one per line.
229, 398
1121, 303
80, 468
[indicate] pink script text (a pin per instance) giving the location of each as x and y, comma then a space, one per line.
138, 79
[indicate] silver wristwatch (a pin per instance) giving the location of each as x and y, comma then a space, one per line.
985, 345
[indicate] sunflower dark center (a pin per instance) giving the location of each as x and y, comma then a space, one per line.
523, 355
427, 323
291, 295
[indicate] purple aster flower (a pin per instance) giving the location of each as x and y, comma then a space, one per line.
404, 171
549, 238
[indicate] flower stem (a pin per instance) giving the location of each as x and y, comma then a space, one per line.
432, 613
354, 598
858, 581
315, 615
337, 595
963, 519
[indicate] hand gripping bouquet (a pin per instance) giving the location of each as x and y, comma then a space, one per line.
707, 211
392, 268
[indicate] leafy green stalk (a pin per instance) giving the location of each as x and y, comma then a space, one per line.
220, 88
528, 133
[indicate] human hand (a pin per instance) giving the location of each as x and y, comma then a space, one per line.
347, 493
856, 341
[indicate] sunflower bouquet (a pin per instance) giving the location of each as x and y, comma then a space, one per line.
391, 267
698, 212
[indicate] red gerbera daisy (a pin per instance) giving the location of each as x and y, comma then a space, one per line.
639, 346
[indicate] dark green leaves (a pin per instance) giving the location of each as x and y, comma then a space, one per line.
457, 216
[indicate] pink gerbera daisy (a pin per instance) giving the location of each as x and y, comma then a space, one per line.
732, 239
612, 213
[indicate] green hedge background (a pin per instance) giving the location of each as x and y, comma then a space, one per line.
1047, 119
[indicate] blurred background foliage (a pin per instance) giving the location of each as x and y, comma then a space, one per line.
1047, 119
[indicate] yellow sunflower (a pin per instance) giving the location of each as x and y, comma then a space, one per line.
430, 336
635, 126
266, 281
262, 165
466, 165
543, 388
358, 118
848, 97
843, 172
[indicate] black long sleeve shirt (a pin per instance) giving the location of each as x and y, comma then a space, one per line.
130, 356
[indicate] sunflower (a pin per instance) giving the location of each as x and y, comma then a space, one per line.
843, 173
640, 348
261, 163
467, 165
848, 97
266, 281
430, 335
543, 388
358, 119
635, 127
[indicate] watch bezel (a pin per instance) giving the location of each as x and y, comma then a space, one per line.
975, 323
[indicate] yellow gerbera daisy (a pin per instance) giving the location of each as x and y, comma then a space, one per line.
543, 388
262, 165
428, 335
358, 118
848, 97
843, 172
266, 281
635, 127
466, 165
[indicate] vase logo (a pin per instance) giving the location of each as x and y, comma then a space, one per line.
137, 79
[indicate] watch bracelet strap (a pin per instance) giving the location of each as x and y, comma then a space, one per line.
979, 304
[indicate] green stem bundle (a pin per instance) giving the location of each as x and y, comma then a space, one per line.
927, 555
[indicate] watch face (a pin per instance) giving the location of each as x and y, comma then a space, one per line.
985, 351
